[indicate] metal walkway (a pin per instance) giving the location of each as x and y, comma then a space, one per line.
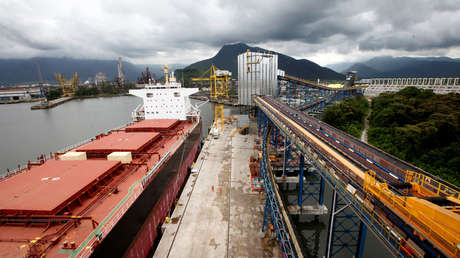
395, 200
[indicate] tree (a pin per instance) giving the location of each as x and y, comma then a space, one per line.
348, 116
419, 127
54, 93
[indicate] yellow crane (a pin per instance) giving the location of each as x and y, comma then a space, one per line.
69, 87
218, 81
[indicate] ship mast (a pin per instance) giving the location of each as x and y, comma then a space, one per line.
165, 71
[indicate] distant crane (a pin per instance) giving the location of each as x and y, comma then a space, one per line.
121, 74
43, 90
40, 78
218, 81
69, 87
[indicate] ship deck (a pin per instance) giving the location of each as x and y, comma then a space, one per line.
104, 203
57, 182
153, 125
120, 141
218, 214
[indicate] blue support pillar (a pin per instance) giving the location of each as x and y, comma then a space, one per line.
330, 232
362, 240
346, 234
301, 166
265, 121
266, 212
285, 158
259, 120
321, 192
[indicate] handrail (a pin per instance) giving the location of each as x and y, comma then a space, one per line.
403, 208
278, 213
430, 183
22, 167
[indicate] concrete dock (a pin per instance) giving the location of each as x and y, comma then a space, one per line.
217, 214
51, 103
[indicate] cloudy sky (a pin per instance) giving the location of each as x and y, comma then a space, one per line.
324, 31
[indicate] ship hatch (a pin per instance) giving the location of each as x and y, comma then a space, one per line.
120, 141
49, 188
152, 125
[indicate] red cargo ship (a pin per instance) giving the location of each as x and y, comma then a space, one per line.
108, 196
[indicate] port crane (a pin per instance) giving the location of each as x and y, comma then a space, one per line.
43, 90
218, 81
69, 87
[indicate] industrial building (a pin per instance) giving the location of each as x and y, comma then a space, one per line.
257, 75
99, 79
21, 93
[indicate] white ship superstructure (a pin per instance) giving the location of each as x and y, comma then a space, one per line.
167, 100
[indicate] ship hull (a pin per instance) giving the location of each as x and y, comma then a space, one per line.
136, 232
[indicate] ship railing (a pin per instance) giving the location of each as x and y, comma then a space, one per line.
69, 147
13, 171
152, 171
72, 146
136, 114
21, 167
118, 127
149, 174
195, 110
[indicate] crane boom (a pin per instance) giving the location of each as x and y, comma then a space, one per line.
218, 81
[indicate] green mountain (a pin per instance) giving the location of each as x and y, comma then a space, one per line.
226, 59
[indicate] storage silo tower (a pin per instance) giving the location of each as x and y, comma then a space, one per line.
257, 75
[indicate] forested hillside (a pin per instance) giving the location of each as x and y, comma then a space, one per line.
348, 115
421, 128
415, 125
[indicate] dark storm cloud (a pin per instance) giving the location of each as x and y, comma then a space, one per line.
14, 35
190, 30
414, 26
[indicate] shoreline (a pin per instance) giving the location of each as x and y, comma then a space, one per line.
62, 100
7, 102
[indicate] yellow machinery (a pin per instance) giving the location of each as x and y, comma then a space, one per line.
238, 130
218, 81
219, 114
250, 61
69, 87
440, 225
